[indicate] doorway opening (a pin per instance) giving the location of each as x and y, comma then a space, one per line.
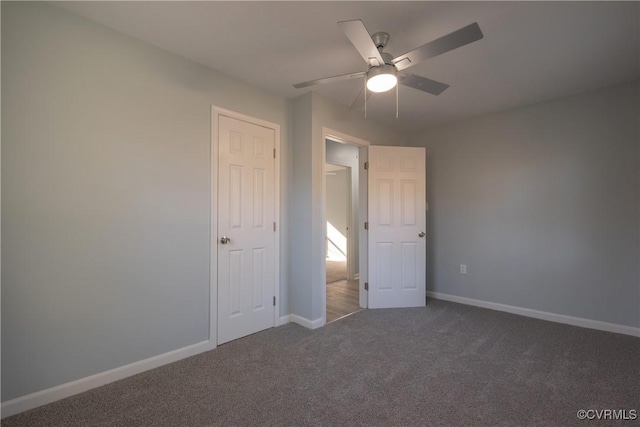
390, 235
342, 190
338, 213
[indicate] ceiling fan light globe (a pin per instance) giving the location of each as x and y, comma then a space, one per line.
382, 83
382, 79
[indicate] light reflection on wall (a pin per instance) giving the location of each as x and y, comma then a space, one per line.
336, 244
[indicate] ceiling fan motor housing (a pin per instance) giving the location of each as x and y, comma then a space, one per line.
385, 74
382, 69
380, 40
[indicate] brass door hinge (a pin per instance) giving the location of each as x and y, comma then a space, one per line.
366, 286
366, 225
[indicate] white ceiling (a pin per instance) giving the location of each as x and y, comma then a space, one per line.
531, 51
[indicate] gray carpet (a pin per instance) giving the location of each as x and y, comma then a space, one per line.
447, 364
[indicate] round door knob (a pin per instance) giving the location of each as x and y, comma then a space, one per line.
224, 240
422, 234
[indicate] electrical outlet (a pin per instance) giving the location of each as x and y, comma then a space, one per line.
463, 268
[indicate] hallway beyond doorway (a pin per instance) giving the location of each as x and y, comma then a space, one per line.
336, 270
342, 299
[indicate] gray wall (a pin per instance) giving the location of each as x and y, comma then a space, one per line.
105, 187
542, 204
302, 222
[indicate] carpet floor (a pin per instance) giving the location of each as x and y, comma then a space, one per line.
443, 365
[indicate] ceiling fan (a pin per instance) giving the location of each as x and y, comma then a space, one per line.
385, 71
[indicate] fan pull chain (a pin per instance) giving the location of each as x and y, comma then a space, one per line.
365, 97
397, 100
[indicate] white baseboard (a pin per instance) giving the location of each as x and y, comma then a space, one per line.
309, 324
544, 315
284, 320
39, 398
318, 323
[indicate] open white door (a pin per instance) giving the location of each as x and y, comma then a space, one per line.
397, 225
246, 229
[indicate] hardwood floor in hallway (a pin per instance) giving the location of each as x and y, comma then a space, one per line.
342, 299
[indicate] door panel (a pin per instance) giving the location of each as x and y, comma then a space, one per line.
246, 212
397, 255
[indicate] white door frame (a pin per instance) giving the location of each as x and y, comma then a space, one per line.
360, 143
216, 112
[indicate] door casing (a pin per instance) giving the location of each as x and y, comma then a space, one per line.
216, 112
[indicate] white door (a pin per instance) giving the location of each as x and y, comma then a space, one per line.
397, 221
246, 231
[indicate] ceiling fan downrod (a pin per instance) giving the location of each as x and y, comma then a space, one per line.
380, 39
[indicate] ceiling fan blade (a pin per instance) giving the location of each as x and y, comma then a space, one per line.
360, 38
459, 38
330, 79
424, 84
